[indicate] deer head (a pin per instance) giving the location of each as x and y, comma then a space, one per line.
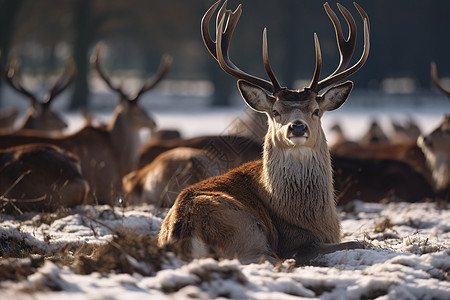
39, 116
436, 145
293, 115
128, 105
438, 140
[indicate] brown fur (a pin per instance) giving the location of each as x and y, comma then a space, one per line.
282, 205
227, 148
40, 177
161, 181
436, 147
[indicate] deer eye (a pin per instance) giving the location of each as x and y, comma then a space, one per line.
316, 113
275, 113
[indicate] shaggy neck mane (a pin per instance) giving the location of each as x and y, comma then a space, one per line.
439, 164
299, 183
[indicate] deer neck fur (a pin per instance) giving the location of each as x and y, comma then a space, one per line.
439, 164
299, 183
125, 138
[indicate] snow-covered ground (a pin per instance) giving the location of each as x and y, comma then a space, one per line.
409, 257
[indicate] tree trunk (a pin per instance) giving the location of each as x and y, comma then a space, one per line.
83, 33
8, 13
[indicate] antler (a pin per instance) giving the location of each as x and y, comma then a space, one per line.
219, 49
346, 48
95, 59
11, 77
166, 62
164, 66
435, 78
63, 82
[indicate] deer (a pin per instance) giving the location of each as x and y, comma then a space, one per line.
283, 205
160, 182
106, 153
8, 117
436, 147
38, 177
165, 167
39, 116
423, 165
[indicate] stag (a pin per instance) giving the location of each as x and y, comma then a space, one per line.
106, 154
39, 115
436, 147
282, 205
40, 177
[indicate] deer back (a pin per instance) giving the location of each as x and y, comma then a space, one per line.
39, 177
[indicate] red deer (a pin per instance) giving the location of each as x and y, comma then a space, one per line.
436, 147
282, 205
160, 182
106, 154
167, 166
404, 133
39, 115
374, 134
411, 171
7, 118
40, 177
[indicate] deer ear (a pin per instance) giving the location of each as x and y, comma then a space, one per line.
255, 96
335, 97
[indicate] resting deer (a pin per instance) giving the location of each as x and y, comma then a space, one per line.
436, 147
167, 166
40, 177
106, 154
160, 182
282, 205
7, 118
39, 115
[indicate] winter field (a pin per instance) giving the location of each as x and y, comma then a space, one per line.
109, 253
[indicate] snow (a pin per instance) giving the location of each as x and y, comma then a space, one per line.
409, 256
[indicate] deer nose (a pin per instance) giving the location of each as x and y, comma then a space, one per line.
297, 129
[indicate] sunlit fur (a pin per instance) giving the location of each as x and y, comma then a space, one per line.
436, 147
282, 205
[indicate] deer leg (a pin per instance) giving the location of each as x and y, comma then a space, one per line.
308, 253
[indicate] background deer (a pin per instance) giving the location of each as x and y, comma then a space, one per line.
436, 147
39, 115
282, 205
8, 117
160, 182
106, 154
165, 167
40, 177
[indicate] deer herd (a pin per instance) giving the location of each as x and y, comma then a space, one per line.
269, 190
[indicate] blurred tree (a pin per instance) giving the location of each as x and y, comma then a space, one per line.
405, 36
83, 37
8, 13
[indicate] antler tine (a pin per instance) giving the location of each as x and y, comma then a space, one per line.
315, 80
224, 60
95, 59
11, 74
346, 46
63, 82
166, 62
435, 78
273, 78
209, 43
341, 72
